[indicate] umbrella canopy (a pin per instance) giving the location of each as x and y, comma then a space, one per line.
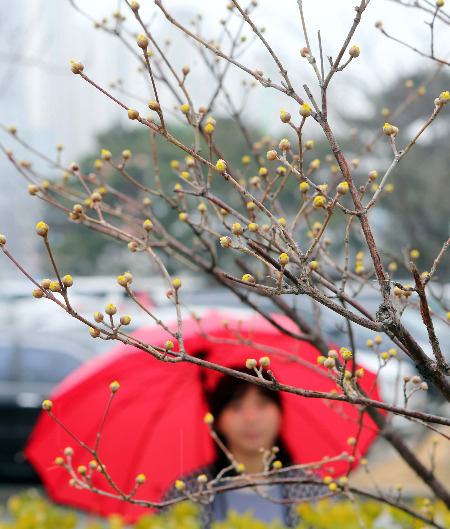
155, 424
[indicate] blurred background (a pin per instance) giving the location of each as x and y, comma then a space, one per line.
48, 105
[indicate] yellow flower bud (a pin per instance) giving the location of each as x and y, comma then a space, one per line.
237, 229
346, 354
42, 229
390, 130
221, 166
304, 187
154, 105
240, 468
147, 225
342, 188
106, 155
319, 202
329, 363
314, 165
225, 241
305, 110
47, 405
133, 113
209, 418
114, 387
284, 145
354, 51
125, 320
76, 67
321, 359
67, 281
180, 485
251, 363
95, 333
283, 259
142, 41
285, 116
111, 309
209, 129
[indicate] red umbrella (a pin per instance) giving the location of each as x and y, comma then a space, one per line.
155, 424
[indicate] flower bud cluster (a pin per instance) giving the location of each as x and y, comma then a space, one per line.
442, 99
390, 130
284, 145
237, 229
225, 241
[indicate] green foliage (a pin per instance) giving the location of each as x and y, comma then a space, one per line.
181, 516
93, 249
244, 521
30, 511
339, 515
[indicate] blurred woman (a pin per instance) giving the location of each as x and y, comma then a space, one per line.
247, 419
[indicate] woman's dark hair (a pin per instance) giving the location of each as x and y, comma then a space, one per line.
228, 389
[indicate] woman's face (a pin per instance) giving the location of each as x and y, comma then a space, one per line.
250, 422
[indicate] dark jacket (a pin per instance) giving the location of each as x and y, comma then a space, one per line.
291, 491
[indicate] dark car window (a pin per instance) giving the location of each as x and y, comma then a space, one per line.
6, 364
39, 365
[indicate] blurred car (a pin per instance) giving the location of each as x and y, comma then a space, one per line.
30, 366
41, 344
